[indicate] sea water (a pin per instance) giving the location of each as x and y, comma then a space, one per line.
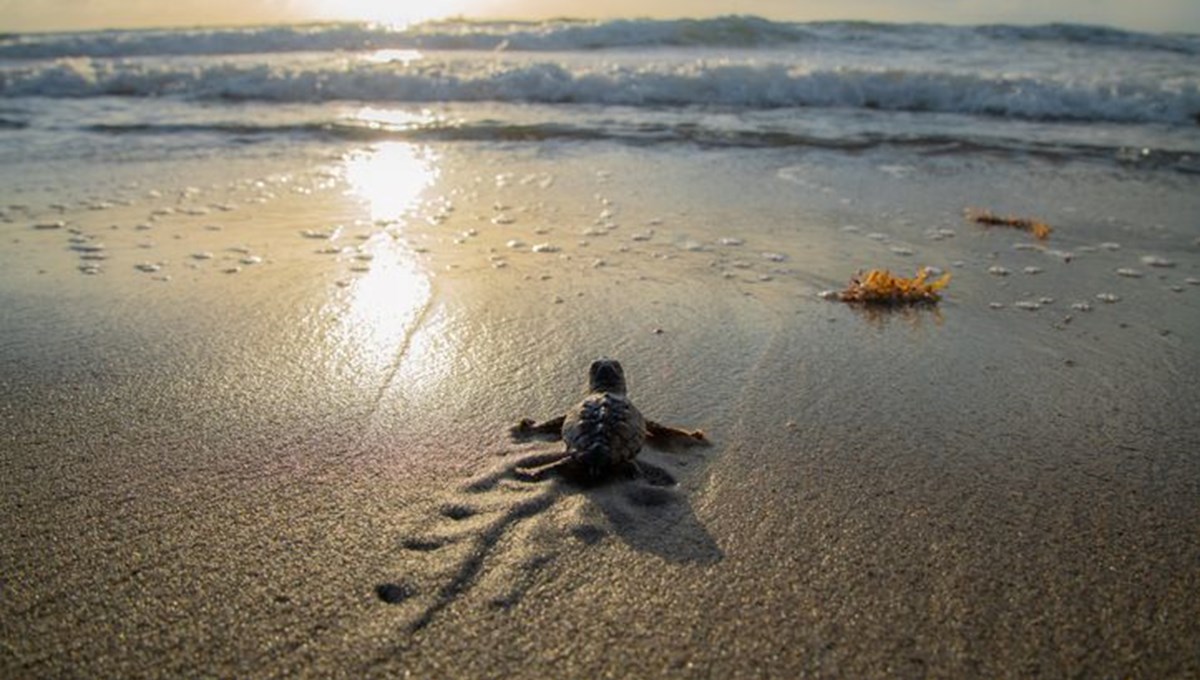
1062, 91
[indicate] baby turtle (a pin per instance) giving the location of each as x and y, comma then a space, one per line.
605, 431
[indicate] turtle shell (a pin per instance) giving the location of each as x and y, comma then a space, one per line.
604, 431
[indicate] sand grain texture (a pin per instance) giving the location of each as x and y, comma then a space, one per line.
303, 468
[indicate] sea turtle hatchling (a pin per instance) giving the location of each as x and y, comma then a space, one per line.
605, 431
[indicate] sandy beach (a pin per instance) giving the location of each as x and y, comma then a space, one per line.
267, 435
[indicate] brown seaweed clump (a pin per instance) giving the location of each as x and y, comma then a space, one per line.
1038, 228
881, 287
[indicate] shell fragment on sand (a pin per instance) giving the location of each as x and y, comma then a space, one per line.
1156, 261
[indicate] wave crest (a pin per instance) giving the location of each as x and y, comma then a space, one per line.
698, 83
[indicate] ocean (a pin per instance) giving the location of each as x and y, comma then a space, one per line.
1067, 92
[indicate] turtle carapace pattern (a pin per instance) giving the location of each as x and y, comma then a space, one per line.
605, 432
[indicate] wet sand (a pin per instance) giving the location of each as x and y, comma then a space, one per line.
281, 447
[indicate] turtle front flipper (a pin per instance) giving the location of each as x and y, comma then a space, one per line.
665, 437
528, 429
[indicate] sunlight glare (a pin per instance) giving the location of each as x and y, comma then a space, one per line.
393, 56
391, 12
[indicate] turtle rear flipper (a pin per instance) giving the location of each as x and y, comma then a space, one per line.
538, 468
665, 437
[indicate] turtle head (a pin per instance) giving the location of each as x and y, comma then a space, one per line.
606, 375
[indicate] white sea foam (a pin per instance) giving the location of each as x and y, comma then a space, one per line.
751, 83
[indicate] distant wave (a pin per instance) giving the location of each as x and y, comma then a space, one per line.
559, 35
652, 133
1095, 36
692, 83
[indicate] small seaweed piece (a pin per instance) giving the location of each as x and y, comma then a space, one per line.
881, 287
1038, 228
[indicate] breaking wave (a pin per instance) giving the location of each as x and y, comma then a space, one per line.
705, 83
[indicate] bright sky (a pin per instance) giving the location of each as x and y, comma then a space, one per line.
42, 15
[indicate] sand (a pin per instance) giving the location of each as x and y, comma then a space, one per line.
254, 459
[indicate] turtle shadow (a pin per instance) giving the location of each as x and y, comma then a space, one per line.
645, 509
640, 503
497, 534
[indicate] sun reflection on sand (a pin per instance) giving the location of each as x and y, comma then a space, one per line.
391, 177
378, 324
384, 306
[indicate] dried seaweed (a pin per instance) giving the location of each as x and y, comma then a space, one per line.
881, 287
1038, 228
